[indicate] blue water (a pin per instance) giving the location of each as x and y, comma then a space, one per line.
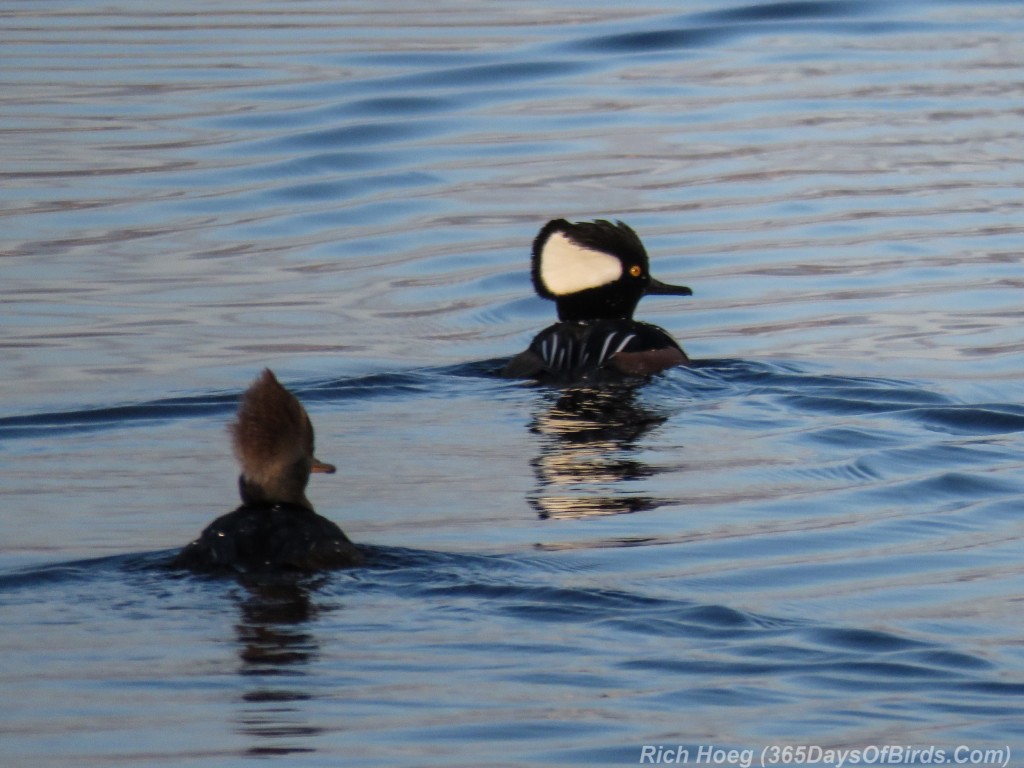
812, 537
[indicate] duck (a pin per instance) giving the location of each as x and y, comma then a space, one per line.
596, 272
276, 528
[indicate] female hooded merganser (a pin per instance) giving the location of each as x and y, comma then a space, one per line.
276, 528
596, 272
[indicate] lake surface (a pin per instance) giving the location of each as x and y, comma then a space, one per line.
811, 537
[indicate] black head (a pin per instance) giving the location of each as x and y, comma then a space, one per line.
594, 270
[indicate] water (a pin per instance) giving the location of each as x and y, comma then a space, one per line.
812, 537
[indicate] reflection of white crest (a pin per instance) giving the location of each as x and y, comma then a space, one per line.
566, 267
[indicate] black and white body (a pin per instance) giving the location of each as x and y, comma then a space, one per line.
596, 272
275, 528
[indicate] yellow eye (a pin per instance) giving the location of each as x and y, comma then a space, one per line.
635, 270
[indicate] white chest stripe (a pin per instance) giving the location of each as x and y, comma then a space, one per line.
605, 354
604, 349
559, 354
623, 344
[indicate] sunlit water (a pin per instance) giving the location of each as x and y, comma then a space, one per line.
811, 537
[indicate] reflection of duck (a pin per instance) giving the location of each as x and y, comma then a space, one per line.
276, 527
276, 646
591, 434
596, 273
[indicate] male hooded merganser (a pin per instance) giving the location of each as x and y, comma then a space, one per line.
596, 272
276, 528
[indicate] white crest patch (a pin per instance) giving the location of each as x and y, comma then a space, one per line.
566, 267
